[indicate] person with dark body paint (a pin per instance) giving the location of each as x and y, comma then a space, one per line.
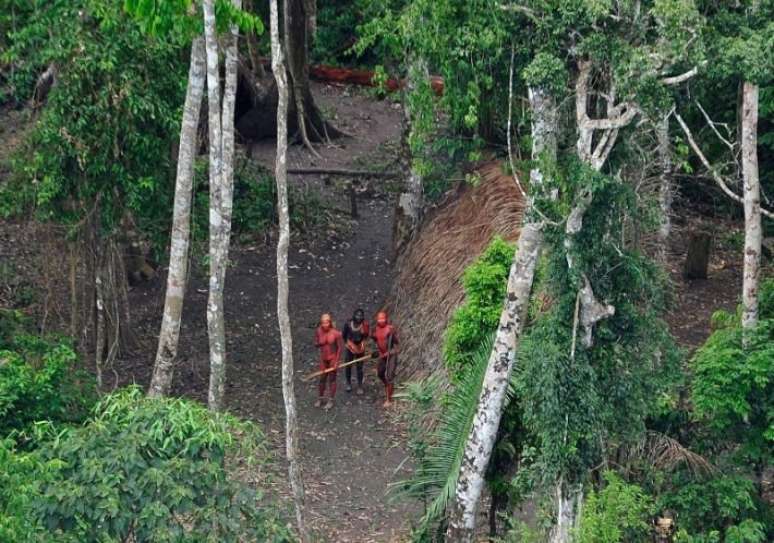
355, 334
328, 339
386, 338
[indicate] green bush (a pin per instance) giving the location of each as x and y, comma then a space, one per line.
619, 512
723, 508
142, 470
733, 386
485, 283
39, 381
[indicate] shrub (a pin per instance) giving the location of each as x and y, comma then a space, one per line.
485, 282
142, 470
733, 386
723, 508
619, 512
39, 381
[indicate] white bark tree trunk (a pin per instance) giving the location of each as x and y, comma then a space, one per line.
752, 207
161, 381
478, 450
99, 297
569, 500
665, 185
283, 314
221, 134
412, 201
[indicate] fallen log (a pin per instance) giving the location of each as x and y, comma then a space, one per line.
338, 171
365, 78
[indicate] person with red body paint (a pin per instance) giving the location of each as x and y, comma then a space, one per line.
329, 341
386, 338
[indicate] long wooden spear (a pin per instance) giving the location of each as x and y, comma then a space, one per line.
344, 365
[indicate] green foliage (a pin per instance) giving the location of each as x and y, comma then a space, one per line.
180, 20
103, 140
733, 386
577, 405
484, 282
33, 34
620, 512
39, 381
337, 21
142, 469
546, 71
466, 42
722, 508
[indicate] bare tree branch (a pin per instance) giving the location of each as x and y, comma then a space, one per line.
714, 129
677, 79
715, 175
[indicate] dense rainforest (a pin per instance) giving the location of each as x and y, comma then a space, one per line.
387, 270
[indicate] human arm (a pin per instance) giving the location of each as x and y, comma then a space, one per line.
339, 350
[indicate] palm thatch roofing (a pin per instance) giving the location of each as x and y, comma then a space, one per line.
428, 286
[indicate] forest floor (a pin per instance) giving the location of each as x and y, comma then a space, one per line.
351, 454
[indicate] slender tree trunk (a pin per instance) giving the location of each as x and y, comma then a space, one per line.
101, 333
665, 186
221, 134
283, 314
569, 499
478, 450
412, 200
73, 260
177, 278
752, 208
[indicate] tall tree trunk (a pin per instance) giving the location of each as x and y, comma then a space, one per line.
478, 450
418, 75
665, 185
283, 315
569, 499
177, 278
310, 123
752, 207
221, 134
408, 212
100, 331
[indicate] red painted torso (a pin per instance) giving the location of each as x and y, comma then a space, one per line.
329, 343
381, 335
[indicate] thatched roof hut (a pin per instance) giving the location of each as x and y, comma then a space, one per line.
428, 287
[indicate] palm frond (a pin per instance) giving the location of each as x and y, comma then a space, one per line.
666, 453
435, 478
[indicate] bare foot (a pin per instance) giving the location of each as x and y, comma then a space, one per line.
318, 403
387, 403
329, 404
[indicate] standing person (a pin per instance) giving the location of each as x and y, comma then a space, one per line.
355, 335
329, 341
386, 338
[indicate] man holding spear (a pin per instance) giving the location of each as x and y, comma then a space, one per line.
330, 343
386, 339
